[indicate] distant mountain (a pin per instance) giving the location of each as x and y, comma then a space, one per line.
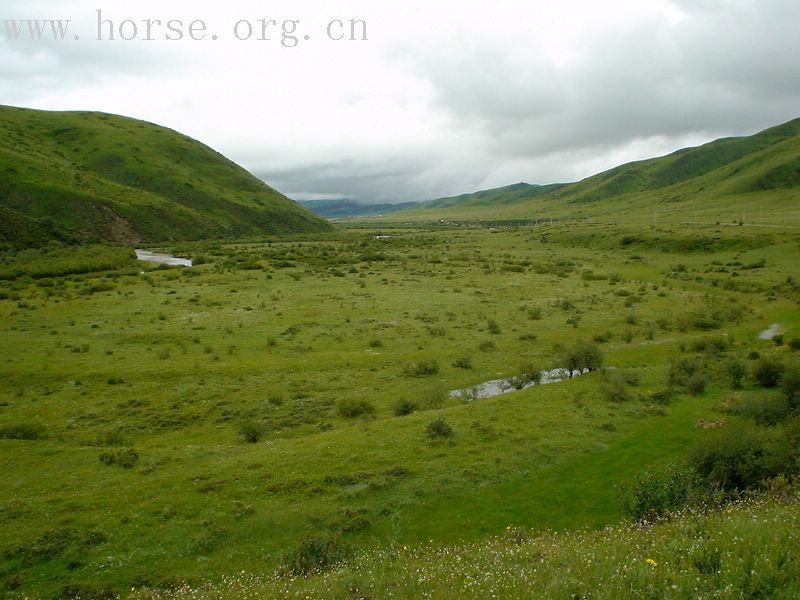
723, 178
342, 209
510, 194
93, 176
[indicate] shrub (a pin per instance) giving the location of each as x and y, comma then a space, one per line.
614, 386
736, 370
768, 372
124, 457
433, 397
656, 494
493, 327
794, 344
465, 362
439, 428
768, 410
23, 431
350, 407
404, 407
110, 438
741, 458
528, 374
790, 385
421, 368
696, 384
583, 355
681, 369
535, 314
251, 432
316, 554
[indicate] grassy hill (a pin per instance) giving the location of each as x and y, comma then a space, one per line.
753, 178
718, 554
100, 177
344, 209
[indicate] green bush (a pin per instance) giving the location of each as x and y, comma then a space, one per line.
583, 355
23, 431
764, 410
768, 372
110, 438
696, 384
681, 370
615, 386
433, 397
316, 554
741, 458
421, 368
656, 494
404, 407
349, 407
464, 362
790, 385
736, 370
528, 374
439, 428
124, 457
251, 432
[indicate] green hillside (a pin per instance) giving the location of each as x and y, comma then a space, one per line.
723, 180
100, 177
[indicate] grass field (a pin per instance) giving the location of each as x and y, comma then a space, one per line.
164, 425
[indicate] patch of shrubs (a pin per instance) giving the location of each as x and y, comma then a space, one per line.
766, 410
421, 368
615, 385
439, 429
404, 407
583, 355
529, 374
350, 407
23, 431
656, 494
251, 432
124, 457
465, 362
768, 372
744, 457
687, 373
316, 554
736, 370
55, 543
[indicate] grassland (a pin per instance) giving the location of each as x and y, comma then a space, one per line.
84, 176
168, 425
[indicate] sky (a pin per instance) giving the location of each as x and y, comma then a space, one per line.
416, 100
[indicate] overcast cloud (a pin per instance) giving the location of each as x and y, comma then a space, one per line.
440, 100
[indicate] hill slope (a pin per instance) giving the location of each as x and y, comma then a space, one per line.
343, 209
720, 180
95, 176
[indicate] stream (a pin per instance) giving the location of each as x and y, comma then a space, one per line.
164, 259
498, 387
770, 332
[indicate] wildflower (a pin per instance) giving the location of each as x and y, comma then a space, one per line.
651, 562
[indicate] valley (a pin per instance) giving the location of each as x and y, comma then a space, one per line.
168, 425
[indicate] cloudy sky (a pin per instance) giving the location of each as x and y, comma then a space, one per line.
438, 100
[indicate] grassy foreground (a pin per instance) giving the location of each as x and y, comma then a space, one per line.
746, 550
165, 425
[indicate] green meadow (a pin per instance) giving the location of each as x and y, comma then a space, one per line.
285, 403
